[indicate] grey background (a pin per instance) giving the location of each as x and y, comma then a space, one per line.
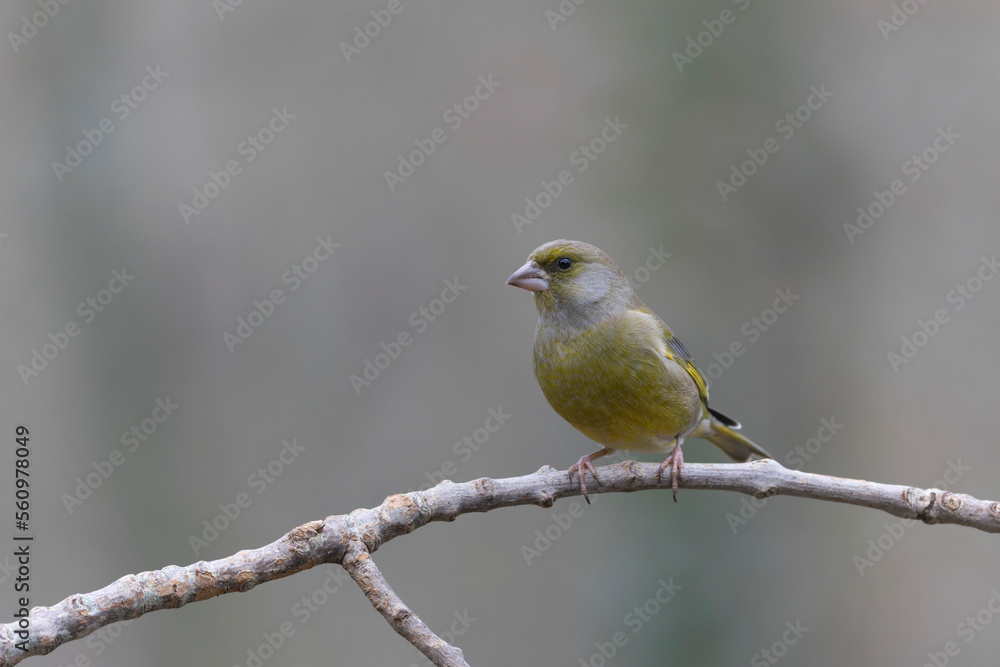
826, 357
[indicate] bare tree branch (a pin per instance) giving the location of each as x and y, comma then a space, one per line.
362, 568
349, 539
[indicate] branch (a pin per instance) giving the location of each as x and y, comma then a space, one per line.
349, 539
366, 574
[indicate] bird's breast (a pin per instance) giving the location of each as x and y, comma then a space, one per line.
614, 387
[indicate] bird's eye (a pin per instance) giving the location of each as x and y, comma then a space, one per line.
564, 263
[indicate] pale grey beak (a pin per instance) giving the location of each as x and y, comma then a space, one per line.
530, 277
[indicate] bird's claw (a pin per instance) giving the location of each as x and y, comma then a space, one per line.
676, 463
580, 468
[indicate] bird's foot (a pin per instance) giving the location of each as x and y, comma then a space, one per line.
676, 464
580, 468
586, 463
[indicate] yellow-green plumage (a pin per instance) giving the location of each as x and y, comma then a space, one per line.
610, 382
609, 365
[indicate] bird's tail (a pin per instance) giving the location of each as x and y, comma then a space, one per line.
726, 437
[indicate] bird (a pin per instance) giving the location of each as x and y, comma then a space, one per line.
609, 366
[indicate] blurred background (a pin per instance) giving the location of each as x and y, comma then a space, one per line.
218, 215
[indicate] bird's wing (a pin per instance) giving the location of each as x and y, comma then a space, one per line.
673, 349
677, 353
687, 361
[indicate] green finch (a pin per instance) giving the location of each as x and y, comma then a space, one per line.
611, 368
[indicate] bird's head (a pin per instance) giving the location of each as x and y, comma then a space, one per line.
574, 283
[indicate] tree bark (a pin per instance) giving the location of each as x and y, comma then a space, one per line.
350, 539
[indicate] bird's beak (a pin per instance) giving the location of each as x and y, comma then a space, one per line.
530, 277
